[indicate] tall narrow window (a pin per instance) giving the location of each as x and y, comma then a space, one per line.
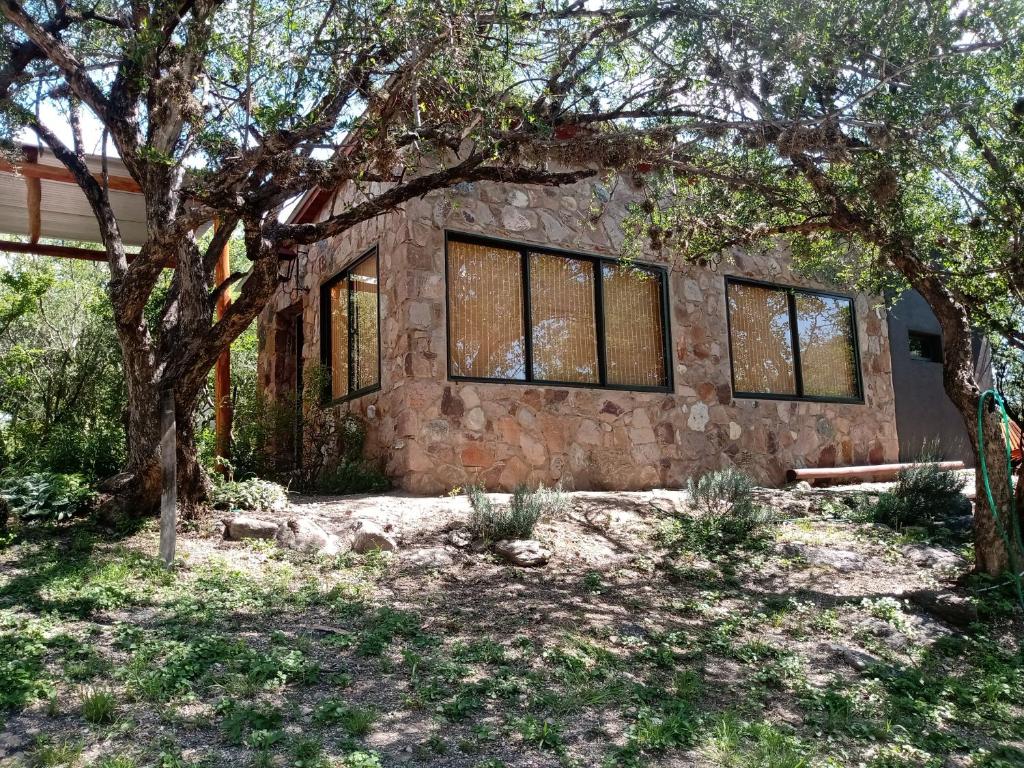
562, 319
790, 342
485, 303
350, 306
633, 326
520, 313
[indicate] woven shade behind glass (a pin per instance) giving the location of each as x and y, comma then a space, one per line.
485, 306
562, 319
365, 347
762, 340
339, 338
634, 336
827, 359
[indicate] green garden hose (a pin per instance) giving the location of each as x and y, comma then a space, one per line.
1011, 550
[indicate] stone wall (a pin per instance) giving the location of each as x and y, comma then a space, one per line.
435, 434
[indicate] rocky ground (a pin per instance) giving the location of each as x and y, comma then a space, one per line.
819, 640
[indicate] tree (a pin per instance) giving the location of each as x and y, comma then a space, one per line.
885, 141
225, 110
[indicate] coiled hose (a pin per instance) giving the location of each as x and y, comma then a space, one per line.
1013, 546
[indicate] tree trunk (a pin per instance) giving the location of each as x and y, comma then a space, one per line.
991, 556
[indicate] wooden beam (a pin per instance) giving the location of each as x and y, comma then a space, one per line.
222, 373
60, 251
63, 175
875, 471
168, 477
33, 198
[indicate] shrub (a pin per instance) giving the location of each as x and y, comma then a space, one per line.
517, 519
353, 476
922, 494
47, 496
725, 513
253, 494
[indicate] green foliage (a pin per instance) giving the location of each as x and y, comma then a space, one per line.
23, 678
355, 721
252, 494
517, 519
240, 722
353, 476
99, 706
724, 513
46, 496
61, 386
923, 495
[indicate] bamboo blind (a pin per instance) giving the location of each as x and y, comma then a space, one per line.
761, 338
485, 312
634, 336
339, 338
563, 319
365, 365
827, 359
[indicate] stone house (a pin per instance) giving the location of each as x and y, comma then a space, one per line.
487, 334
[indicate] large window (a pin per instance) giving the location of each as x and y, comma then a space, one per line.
350, 323
520, 313
791, 343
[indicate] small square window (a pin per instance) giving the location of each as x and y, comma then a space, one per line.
925, 346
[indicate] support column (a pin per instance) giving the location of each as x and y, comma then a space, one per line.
222, 372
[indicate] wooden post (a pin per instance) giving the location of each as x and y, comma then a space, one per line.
168, 477
34, 198
222, 372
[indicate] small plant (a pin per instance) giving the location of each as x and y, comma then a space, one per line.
46, 496
923, 494
517, 519
725, 513
47, 752
543, 734
353, 476
355, 721
254, 494
98, 706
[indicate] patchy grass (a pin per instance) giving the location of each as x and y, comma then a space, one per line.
691, 647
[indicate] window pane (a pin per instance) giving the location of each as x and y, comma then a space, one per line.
634, 335
485, 306
365, 367
827, 359
761, 340
339, 338
562, 319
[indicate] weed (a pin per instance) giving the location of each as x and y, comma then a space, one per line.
355, 721
543, 734
98, 706
724, 517
240, 721
47, 753
116, 761
253, 494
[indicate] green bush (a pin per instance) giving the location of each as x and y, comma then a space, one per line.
353, 476
725, 512
253, 494
922, 495
46, 496
517, 519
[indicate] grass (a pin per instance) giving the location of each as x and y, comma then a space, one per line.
682, 656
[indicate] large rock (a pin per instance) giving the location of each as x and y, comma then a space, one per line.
856, 658
370, 536
527, 553
245, 527
431, 558
953, 609
933, 557
842, 560
303, 535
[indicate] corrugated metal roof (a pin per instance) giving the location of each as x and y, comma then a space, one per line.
64, 210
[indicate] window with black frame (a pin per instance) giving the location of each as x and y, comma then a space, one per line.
792, 343
522, 313
350, 329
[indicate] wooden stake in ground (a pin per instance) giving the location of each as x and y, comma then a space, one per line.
169, 477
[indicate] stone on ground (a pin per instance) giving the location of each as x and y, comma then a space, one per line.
953, 609
843, 560
245, 527
527, 553
932, 557
370, 536
432, 557
303, 535
460, 537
